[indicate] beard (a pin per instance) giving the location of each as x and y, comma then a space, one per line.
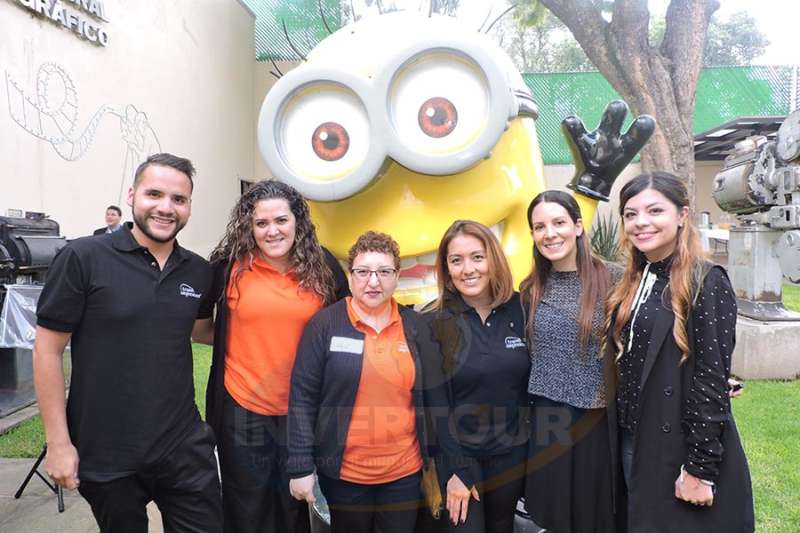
140, 221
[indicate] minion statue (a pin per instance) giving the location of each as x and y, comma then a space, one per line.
403, 123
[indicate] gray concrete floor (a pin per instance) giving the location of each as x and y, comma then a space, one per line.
36, 511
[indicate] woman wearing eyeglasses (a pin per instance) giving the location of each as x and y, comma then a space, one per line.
478, 323
356, 404
271, 276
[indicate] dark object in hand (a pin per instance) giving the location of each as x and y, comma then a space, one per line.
601, 155
734, 385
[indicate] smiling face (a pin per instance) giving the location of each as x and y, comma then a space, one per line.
373, 280
403, 124
555, 235
651, 222
274, 227
160, 203
469, 269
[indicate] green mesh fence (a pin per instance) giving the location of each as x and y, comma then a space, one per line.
723, 94
304, 25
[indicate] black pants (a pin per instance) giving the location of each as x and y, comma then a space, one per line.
386, 508
501, 486
184, 486
255, 486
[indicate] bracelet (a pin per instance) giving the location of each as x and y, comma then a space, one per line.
703, 481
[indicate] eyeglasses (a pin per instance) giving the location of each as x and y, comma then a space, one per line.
364, 273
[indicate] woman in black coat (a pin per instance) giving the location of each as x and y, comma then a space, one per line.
671, 332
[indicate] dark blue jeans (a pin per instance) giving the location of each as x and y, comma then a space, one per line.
626, 454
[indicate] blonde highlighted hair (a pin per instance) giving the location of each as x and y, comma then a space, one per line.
685, 273
501, 284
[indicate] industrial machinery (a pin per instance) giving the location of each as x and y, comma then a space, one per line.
27, 247
760, 184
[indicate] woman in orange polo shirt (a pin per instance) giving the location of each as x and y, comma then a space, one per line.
271, 277
356, 404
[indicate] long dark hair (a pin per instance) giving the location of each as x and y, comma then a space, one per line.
685, 271
307, 259
592, 272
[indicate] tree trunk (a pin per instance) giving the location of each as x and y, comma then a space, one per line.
658, 81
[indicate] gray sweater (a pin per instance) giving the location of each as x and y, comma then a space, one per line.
560, 370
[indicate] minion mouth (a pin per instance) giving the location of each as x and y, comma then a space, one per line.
418, 273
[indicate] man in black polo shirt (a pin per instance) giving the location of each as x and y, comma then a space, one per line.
128, 301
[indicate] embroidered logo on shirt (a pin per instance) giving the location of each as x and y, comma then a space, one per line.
514, 342
347, 345
402, 347
188, 291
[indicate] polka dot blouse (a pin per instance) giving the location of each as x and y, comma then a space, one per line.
707, 406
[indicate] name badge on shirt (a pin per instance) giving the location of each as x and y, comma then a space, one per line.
347, 345
514, 342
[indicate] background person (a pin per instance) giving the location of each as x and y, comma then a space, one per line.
113, 221
130, 433
356, 408
672, 325
569, 484
478, 323
271, 277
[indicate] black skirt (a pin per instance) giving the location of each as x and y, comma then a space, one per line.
568, 487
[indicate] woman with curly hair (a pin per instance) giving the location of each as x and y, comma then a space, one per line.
271, 277
671, 325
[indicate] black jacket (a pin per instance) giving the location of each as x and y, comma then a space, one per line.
325, 383
215, 391
660, 440
451, 332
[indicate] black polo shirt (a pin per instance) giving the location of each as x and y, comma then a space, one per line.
489, 384
131, 398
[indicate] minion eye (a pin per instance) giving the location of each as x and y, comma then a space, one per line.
437, 117
323, 132
330, 141
439, 102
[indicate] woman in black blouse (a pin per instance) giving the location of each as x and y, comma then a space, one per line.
478, 323
671, 329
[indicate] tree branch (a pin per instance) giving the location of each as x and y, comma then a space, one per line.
683, 45
589, 28
631, 17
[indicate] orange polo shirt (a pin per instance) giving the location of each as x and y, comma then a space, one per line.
267, 314
381, 443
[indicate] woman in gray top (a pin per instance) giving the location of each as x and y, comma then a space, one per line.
569, 482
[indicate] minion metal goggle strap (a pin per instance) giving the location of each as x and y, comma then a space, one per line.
435, 108
527, 105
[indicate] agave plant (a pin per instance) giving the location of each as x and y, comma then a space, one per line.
604, 237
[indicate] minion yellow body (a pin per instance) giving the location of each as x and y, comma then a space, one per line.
403, 124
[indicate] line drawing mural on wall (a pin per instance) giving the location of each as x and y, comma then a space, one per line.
52, 116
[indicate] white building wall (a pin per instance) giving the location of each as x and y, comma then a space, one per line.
175, 76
